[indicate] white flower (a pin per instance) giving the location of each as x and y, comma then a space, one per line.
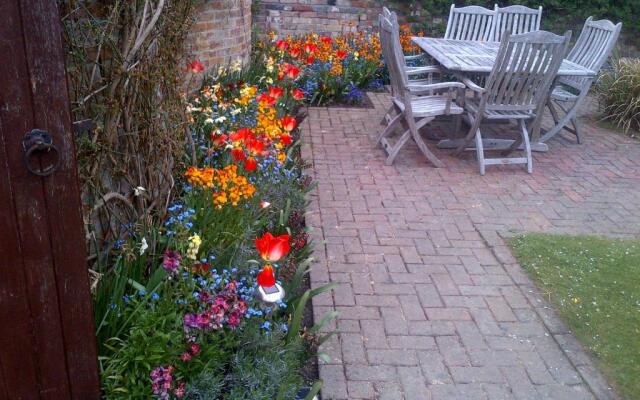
236, 111
208, 121
264, 204
143, 246
221, 119
138, 191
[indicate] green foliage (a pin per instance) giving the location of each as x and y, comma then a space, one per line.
619, 93
266, 367
594, 283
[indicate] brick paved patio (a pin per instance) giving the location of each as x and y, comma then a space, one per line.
432, 304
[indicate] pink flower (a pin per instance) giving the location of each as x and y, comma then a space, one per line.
185, 357
195, 349
171, 261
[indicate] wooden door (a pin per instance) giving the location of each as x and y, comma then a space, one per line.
47, 341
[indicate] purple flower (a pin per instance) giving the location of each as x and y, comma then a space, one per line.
171, 261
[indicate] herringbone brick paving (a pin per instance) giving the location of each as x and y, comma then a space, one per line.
432, 304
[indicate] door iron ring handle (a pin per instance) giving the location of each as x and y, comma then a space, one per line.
37, 141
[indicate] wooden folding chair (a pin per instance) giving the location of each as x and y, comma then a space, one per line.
414, 105
516, 89
516, 20
597, 40
472, 23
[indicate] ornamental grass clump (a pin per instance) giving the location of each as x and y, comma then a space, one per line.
619, 94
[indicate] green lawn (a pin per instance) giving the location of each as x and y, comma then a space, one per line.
594, 283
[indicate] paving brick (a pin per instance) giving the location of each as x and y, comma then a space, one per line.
373, 334
433, 368
371, 373
352, 348
338, 388
413, 384
394, 321
486, 374
360, 390
448, 314
500, 309
392, 357
428, 295
424, 269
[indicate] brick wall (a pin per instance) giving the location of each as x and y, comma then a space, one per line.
321, 16
221, 32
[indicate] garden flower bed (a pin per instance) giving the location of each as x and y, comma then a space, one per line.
182, 311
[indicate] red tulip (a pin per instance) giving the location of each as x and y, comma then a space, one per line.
266, 100
310, 60
250, 164
195, 66
288, 123
291, 71
275, 92
218, 140
285, 140
310, 47
298, 94
238, 154
295, 53
272, 248
254, 146
326, 40
282, 45
266, 278
341, 54
240, 135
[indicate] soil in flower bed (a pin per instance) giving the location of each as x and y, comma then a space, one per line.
366, 103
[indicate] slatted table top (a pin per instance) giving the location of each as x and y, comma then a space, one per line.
479, 57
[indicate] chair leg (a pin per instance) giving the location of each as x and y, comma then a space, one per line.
527, 145
457, 123
395, 149
553, 111
390, 128
480, 151
475, 127
576, 129
421, 144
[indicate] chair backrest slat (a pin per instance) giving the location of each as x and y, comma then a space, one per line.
392, 52
523, 72
470, 23
593, 47
516, 20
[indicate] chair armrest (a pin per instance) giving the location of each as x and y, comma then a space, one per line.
416, 89
469, 83
427, 69
416, 57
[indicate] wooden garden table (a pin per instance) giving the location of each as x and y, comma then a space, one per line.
462, 57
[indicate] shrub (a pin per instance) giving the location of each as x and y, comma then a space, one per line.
619, 93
